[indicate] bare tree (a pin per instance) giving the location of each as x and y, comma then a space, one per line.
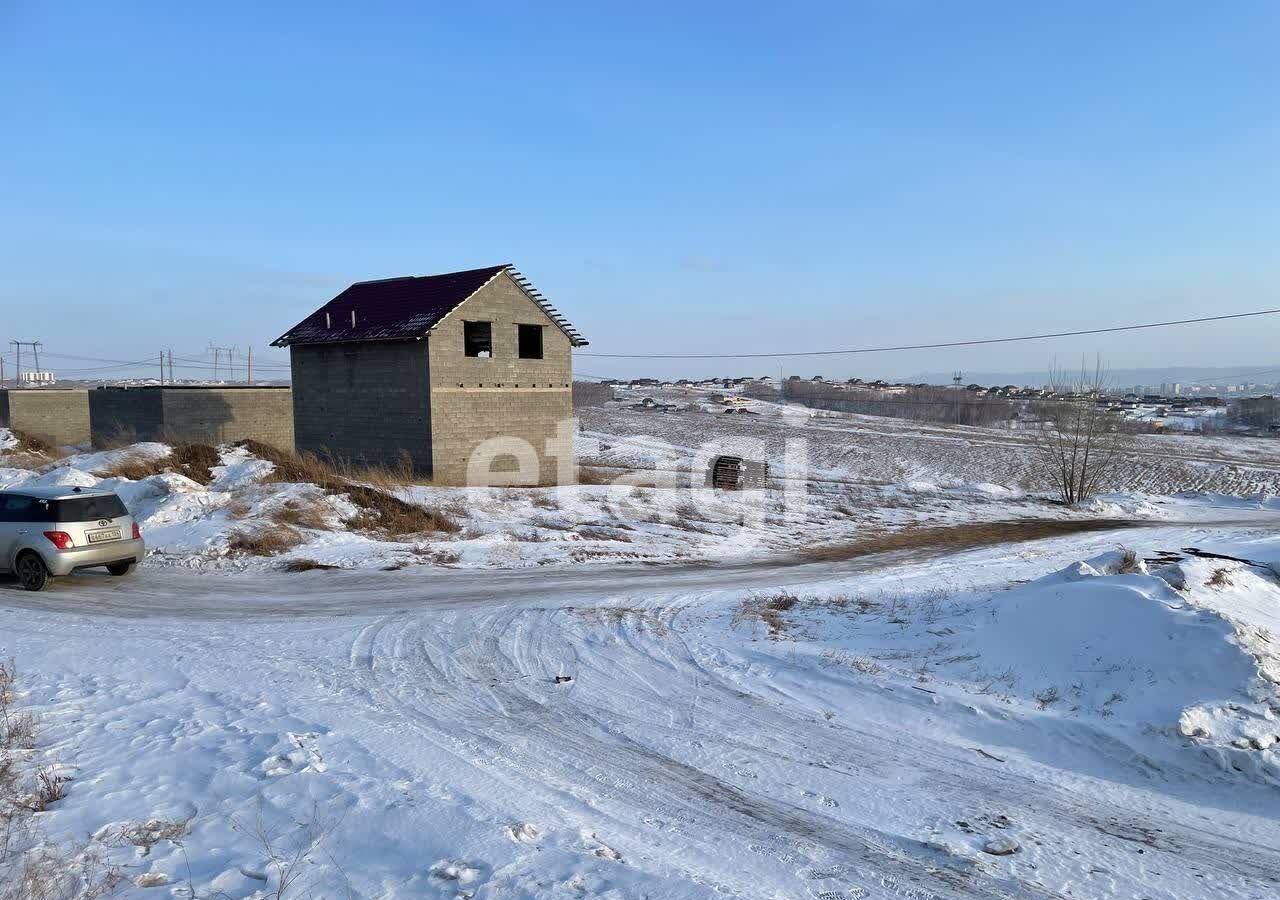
1080, 444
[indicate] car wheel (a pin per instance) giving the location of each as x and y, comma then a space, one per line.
121, 569
32, 574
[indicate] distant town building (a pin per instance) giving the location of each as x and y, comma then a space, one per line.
36, 379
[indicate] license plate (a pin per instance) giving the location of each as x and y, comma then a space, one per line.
110, 534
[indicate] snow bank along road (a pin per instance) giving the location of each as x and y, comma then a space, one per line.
601, 733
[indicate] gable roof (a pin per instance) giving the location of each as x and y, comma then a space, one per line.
393, 309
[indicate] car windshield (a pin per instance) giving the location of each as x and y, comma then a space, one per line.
84, 509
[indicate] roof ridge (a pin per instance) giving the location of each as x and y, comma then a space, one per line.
496, 269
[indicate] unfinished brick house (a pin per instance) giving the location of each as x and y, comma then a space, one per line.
466, 374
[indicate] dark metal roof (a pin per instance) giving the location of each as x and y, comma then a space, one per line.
404, 308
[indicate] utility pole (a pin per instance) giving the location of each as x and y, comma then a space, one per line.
161, 368
35, 348
249, 379
172, 380
217, 358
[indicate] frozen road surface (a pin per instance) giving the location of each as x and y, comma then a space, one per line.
636, 732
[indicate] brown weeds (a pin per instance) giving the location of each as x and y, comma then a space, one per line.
195, 461
769, 609
369, 489
312, 515
31, 443
264, 541
959, 537
307, 565
1220, 578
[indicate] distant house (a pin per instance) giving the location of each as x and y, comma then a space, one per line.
648, 404
466, 375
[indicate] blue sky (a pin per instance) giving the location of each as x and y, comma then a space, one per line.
677, 178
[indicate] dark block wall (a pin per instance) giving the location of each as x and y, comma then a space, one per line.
125, 413
367, 403
214, 415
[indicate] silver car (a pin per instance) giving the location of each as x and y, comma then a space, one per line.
52, 531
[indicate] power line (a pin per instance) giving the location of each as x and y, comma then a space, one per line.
939, 345
1230, 377
112, 363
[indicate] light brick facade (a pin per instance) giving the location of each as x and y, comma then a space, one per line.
476, 400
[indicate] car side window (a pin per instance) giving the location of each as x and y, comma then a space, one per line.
17, 508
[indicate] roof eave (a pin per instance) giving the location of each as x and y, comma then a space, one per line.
283, 341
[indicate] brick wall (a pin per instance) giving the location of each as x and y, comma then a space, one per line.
225, 415
125, 414
216, 415
363, 402
475, 400
60, 417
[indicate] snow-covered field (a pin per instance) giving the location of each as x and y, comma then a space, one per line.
506, 719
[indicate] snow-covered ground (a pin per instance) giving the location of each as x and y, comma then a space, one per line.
646, 513
1088, 716
862, 729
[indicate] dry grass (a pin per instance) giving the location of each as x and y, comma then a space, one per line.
30, 452
394, 517
331, 473
1047, 697
195, 461
438, 557
311, 514
17, 729
769, 609
49, 872
51, 786
594, 475
1130, 564
151, 832
368, 488
864, 665
31, 866
959, 537
264, 541
1220, 578
602, 533
23, 460
134, 467
30, 443
307, 565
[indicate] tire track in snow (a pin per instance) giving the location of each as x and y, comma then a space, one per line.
959, 773
571, 735
561, 745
